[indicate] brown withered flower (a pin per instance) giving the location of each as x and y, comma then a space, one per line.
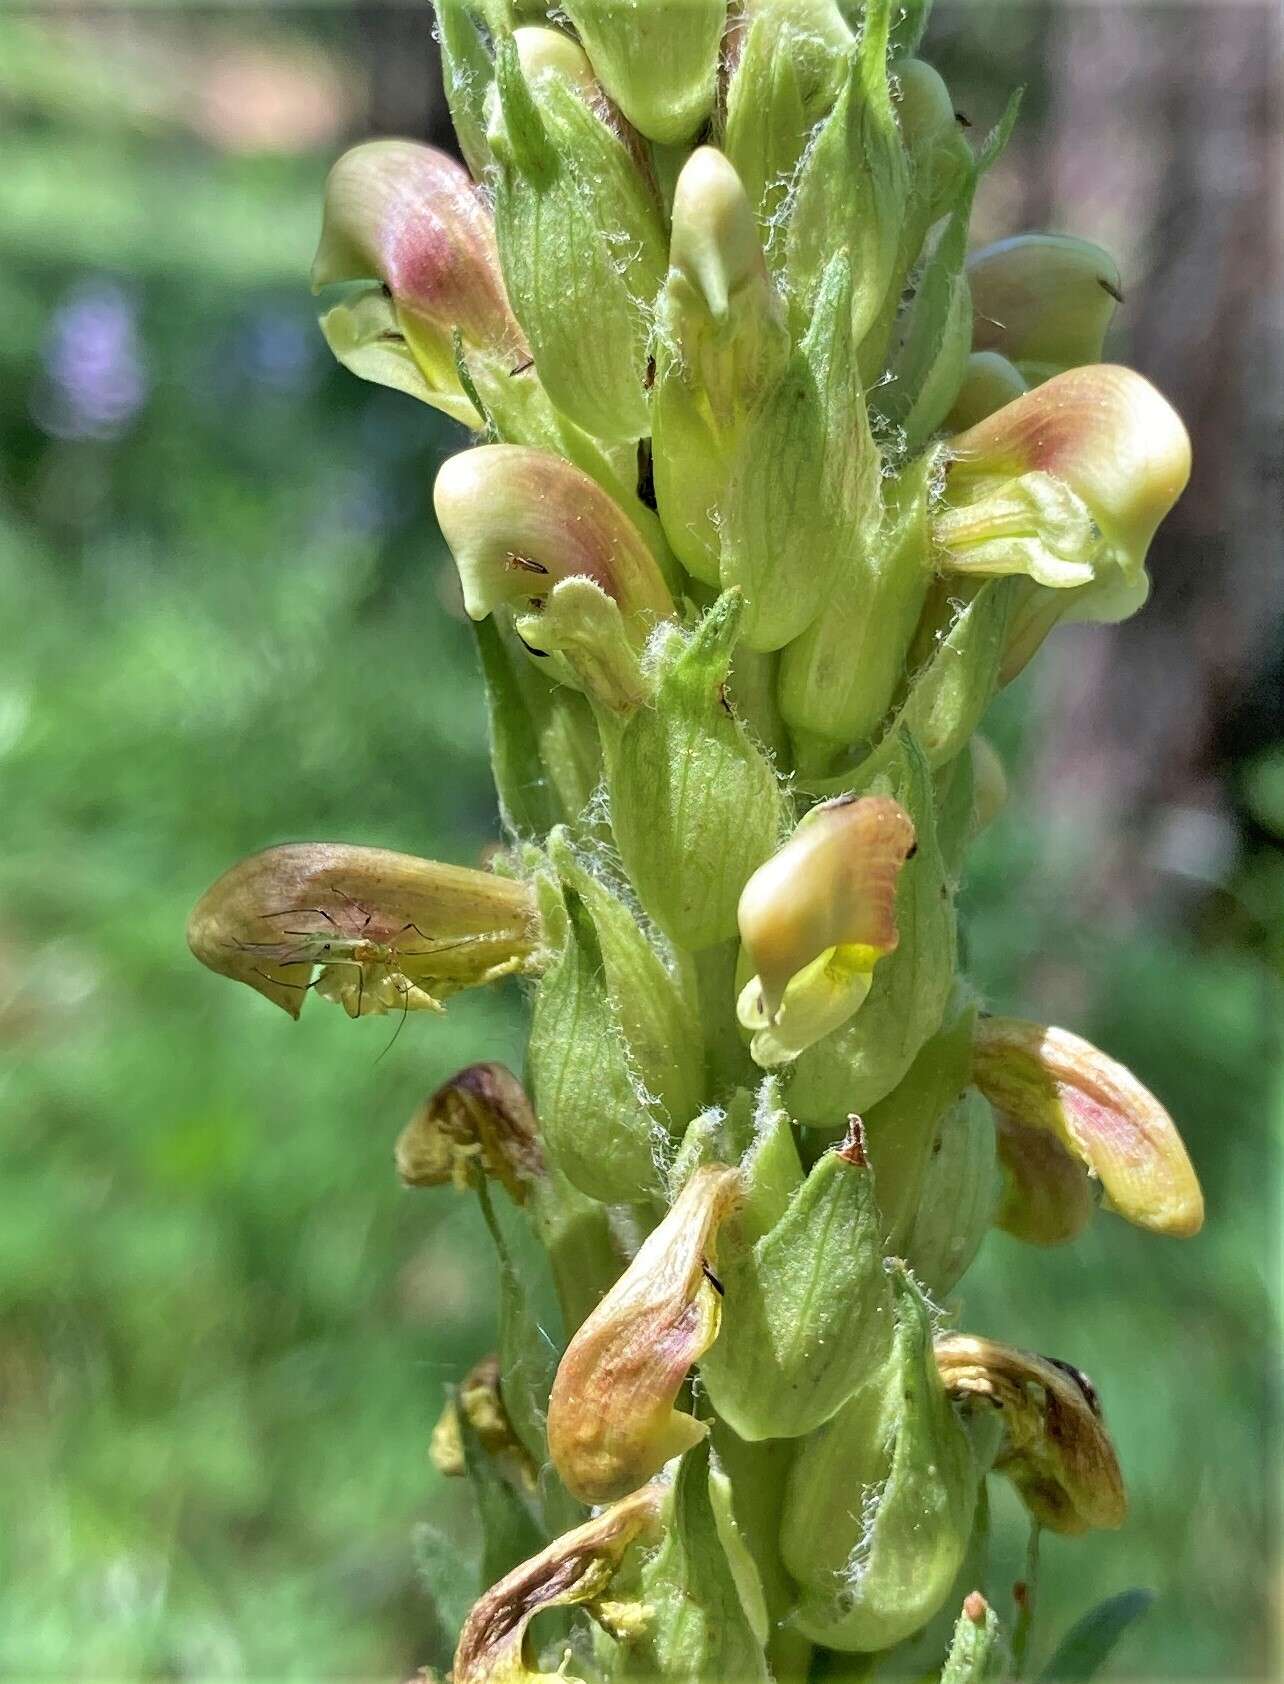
576, 1568
1055, 1448
480, 1120
611, 1420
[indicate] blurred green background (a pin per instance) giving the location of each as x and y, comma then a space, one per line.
228, 621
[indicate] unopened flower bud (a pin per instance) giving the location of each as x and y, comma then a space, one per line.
804, 482
1051, 1080
480, 1121
581, 238
903, 1127
409, 218
807, 1314
657, 62
1067, 485
1047, 1194
708, 1618
816, 919
788, 60
576, 1568
650, 991
518, 521
935, 334
879, 1510
720, 341
852, 186
611, 1416
977, 1644
479, 1401
940, 158
989, 382
1043, 301
863, 1060
695, 806
381, 931
1055, 1449
951, 692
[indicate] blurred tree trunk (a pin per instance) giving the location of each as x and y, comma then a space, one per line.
1162, 140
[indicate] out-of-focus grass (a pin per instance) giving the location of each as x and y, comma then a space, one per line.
223, 1329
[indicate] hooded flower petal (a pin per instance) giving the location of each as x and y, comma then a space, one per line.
381, 931
1048, 1079
611, 1420
518, 521
1055, 1449
817, 918
1067, 485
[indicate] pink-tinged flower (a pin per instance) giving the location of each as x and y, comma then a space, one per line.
518, 521
611, 1420
410, 218
816, 919
1049, 1080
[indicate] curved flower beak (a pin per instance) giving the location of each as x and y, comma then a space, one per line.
1055, 1449
611, 1420
372, 930
518, 521
409, 218
1067, 485
816, 918
1047, 1079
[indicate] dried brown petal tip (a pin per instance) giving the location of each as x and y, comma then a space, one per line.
1055, 1449
481, 1120
1048, 1079
611, 1420
576, 1568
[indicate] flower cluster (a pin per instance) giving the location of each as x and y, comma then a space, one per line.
772, 487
